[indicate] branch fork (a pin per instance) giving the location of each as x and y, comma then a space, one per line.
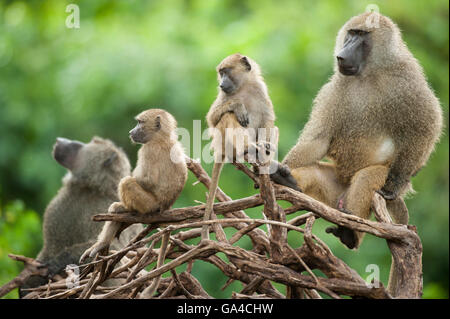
270, 259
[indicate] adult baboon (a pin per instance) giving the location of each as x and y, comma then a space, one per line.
89, 187
377, 120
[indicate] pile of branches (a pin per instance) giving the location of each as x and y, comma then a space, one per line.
270, 259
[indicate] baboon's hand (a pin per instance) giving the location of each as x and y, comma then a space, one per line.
387, 195
116, 208
393, 186
241, 114
91, 252
85, 255
346, 235
266, 152
282, 175
262, 154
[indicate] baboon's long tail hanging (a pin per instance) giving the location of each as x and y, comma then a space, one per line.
211, 196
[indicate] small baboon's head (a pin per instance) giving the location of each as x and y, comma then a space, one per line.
153, 124
367, 43
98, 163
234, 71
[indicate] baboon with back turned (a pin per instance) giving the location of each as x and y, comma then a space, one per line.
377, 120
89, 187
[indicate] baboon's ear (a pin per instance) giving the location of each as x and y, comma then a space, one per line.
110, 160
97, 139
246, 63
158, 122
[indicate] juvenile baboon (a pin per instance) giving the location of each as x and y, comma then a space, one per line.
158, 178
89, 188
242, 107
377, 120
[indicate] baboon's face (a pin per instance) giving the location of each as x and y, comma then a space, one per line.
65, 152
153, 124
233, 72
352, 58
145, 129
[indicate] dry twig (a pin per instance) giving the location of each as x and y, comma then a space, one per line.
271, 258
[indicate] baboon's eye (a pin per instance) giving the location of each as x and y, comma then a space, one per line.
110, 160
222, 71
140, 121
354, 32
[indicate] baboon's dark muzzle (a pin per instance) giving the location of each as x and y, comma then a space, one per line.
65, 151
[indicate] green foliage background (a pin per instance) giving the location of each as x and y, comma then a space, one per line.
132, 55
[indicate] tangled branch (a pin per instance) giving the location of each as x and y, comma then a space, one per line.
271, 258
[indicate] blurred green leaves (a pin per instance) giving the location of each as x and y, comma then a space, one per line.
131, 55
20, 230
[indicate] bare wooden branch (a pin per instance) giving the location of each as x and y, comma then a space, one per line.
278, 235
236, 295
149, 291
405, 280
271, 258
32, 267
